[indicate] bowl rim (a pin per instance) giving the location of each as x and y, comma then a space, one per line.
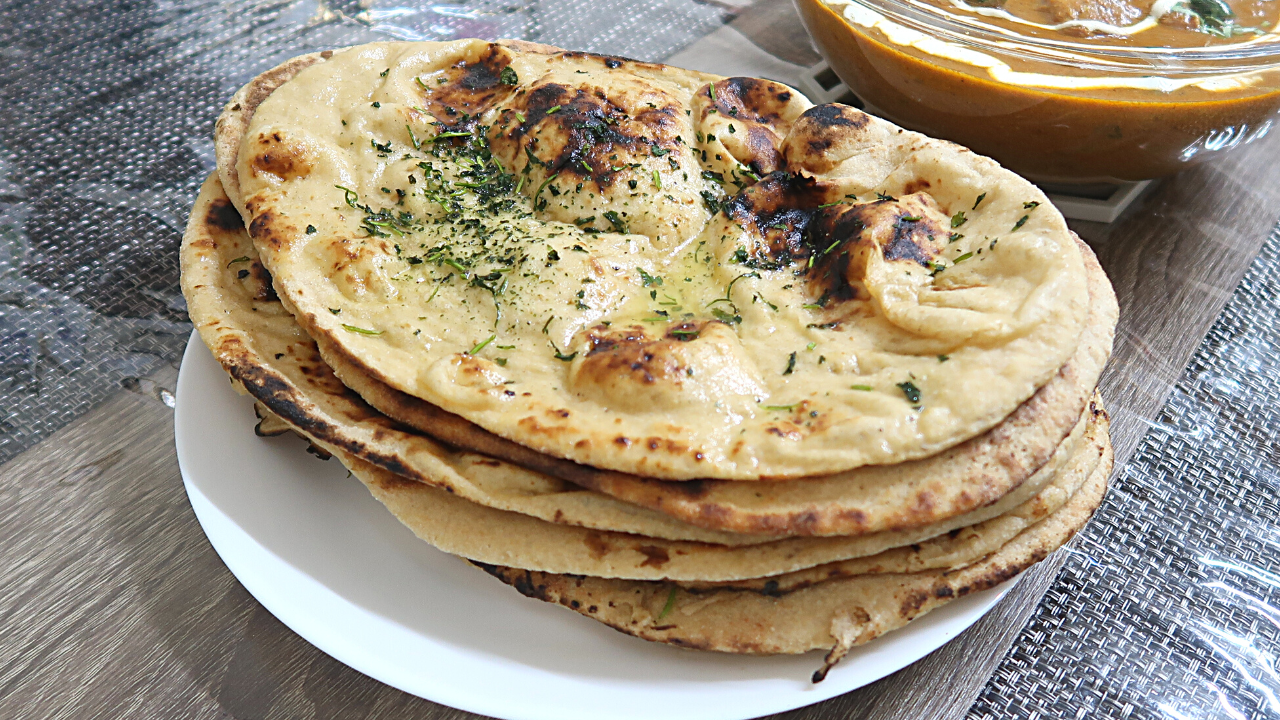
931, 20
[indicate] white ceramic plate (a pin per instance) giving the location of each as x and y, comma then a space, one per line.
331, 563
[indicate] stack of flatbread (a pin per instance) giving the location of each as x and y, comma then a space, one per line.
682, 353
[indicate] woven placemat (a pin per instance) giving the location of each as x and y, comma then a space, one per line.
1167, 605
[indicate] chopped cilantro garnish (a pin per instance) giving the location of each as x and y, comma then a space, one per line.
791, 364
671, 603
726, 318
619, 225
542, 187
481, 345
242, 258
714, 204
978, 202
1216, 18
958, 219
351, 196
728, 291
361, 331
911, 392
508, 76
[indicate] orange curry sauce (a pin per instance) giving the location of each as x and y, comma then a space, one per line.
1083, 133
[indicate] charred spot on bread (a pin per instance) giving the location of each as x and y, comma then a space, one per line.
457, 95
224, 216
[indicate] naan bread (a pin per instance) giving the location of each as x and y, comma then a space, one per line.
234, 119
971, 475
263, 348
961, 546
835, 615
527, 239
461, 527
232, 305
884, 497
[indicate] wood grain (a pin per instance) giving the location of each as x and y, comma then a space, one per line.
112, 603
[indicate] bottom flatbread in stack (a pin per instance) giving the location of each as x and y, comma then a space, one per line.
640, 564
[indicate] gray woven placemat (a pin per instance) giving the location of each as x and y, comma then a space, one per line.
107, 110
1167, 605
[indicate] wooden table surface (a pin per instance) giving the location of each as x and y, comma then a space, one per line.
113, 604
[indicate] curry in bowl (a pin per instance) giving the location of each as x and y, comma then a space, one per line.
1063, 90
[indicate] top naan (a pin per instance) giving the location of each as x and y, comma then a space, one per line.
654, 270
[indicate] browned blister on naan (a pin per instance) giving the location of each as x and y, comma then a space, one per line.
588, 143
741, 124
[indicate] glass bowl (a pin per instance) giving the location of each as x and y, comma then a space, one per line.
1055, 109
